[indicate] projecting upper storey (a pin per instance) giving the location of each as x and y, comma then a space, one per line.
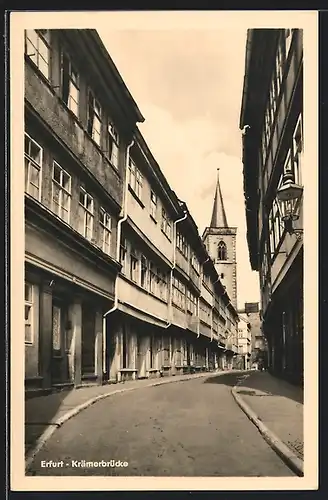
74, 89
271, 103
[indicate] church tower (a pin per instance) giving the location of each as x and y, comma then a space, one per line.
220, 241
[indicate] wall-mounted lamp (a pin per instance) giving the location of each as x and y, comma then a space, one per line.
289, 201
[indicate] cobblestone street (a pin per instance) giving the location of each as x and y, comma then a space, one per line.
187, 428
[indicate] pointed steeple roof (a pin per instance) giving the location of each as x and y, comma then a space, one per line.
219, 218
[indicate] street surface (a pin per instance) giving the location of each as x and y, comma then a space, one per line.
188, 428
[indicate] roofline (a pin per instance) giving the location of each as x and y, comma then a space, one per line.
98, 41
249, 40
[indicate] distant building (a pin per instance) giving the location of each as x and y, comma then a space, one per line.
220, 241
272, 124
258, 341
244, 342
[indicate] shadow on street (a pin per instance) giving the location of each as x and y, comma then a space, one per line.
259, 381
39, 411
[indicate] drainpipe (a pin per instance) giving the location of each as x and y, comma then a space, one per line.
118, 243
198, 323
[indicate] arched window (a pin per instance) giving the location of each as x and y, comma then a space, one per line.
222, 251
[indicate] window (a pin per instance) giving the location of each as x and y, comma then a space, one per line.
28, 313
135, 179
166, 224
162, 280
156, 281
113, 144
288, 40
279, 68
182, 244
297, 151
61, 192
33, 162
134, 265
123, 250
222, 275
105, 230
94, 119
86, 214
191, 302
37, 48
179, 293
144, 271
222, 251
152, 278
194, 262
294, 154
153, 204
275, 227
267, 127
205, 313
272, 102
70, 85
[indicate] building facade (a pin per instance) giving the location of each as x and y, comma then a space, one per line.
259, 351
118, 282
79, 121
272, 124
220, 241
244, 342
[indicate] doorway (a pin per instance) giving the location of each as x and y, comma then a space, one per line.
59, 365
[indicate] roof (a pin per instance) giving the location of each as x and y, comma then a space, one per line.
219, 217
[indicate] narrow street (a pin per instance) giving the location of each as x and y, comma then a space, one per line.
188, 428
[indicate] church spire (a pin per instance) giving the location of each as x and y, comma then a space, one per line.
219, 218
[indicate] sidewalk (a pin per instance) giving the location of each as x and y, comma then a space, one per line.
278, 405
48, 411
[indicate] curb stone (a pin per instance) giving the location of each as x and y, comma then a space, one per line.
56, 424
284, 452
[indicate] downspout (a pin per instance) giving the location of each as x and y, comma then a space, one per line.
198, 322
118, 244
173, 267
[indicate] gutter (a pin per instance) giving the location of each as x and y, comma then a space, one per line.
249, 40
118, 244
173, 267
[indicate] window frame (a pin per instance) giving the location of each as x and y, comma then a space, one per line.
166, 225
86, 212
123, 254
37, 166
134, 265
46, 42
31, 304
61, 190
179, 293
113, 144
105, 229
153, 204
135, 180
222, 250
70, 82
95, 113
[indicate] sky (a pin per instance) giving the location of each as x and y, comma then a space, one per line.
188, 86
